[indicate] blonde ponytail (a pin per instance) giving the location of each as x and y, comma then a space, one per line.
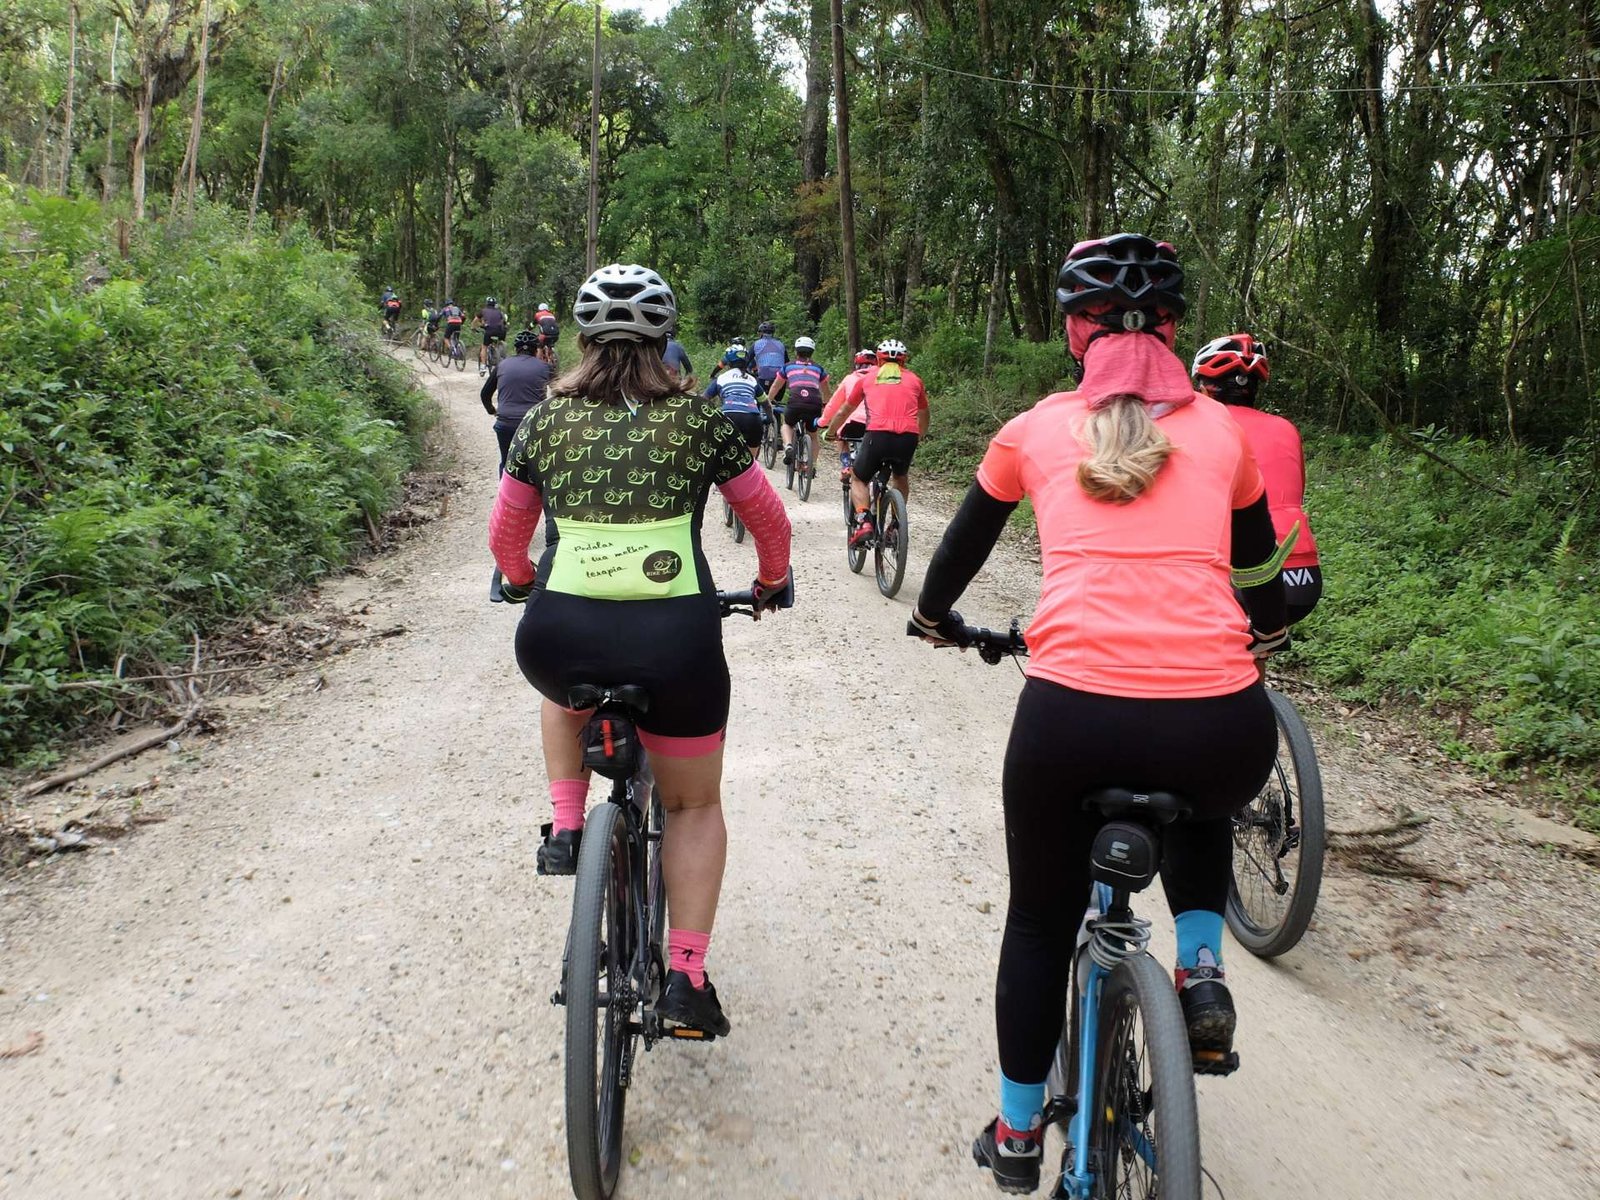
1126, 450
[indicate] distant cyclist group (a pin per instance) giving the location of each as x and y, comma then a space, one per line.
1170, 514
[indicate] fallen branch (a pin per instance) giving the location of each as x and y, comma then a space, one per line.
139, 746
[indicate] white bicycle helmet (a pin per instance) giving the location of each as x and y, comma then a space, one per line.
893, 349
804, 343
625, 301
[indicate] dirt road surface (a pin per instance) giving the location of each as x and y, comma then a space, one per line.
326, 972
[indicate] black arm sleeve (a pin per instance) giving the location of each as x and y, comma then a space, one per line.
968, 539
1254, 542
489, 386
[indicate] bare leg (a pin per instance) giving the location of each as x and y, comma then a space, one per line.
901, 484
695, 847
558, 730
860, 494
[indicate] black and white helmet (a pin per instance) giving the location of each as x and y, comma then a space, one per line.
625, 301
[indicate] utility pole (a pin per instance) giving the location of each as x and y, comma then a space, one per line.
592, 256
847, 216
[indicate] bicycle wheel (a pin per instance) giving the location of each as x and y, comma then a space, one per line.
770, 441
804, 467
855, 555
600, 1004
1146, 1130
419, 342
738, 528
459, 355
727, 514
791, 458
889, 550
1279, 840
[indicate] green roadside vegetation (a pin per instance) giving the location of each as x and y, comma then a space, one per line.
185, 433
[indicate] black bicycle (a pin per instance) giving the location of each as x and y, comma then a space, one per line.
614, 969
800, 468
1279, 840
1122, 1084
890, 536
771, 432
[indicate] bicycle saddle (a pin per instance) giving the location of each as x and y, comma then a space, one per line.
1161, 807
628, 696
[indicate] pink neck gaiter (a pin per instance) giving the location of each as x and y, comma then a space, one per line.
1134, 364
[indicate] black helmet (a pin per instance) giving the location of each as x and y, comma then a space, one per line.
491, 302
1128, 272
527, 341
766, 327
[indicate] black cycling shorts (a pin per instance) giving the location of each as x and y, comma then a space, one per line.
880, 449
1302, 588
672, 648
749, 425
809, 414
490, 336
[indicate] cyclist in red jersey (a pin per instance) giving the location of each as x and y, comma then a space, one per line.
855, 428
1232, 369
1143, 670
897, 417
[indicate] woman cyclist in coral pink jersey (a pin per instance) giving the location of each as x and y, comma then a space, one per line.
1143, 669
622, 455
1233, 369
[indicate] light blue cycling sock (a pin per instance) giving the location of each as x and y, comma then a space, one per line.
1198, 928
1021, 1104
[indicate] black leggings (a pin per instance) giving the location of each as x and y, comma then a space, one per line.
1215, 752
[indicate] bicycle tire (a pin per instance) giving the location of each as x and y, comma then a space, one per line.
1290, 801
790, 458
727, 513
458, 356
738, 529
889, 548
856, 556
803, 464
770, 440
595, 1097
849, 509
419, 343
1144, 1127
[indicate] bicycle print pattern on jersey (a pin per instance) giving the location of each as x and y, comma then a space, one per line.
622, 487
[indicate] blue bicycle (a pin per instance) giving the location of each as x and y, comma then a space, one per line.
1122, 1085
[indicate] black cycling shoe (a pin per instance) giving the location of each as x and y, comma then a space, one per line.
559, 853
1209, 1014
1014, 1161
788, 456
684, 1004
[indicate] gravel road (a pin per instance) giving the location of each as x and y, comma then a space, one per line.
326, 972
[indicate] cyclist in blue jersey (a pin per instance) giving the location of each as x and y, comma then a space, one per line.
736, 387
769, 355
806, 384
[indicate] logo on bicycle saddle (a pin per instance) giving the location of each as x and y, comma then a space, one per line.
663, 566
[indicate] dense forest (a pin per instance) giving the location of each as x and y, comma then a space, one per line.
1399, 196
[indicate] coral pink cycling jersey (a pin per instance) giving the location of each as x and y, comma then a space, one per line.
1136, 598
1275, 443
845, 394
893, 396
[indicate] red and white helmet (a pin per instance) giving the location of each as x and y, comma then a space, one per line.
866, 357
1237, 358
892, 350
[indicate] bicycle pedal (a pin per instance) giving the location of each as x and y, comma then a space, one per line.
558, 998
1215, 1062
684, 1033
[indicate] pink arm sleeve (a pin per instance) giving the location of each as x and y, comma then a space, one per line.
752, 497
511, 526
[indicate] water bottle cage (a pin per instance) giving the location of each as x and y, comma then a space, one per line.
610, 745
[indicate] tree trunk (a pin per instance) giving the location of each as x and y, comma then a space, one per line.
141, 139
997, 285
191, 154
266, 129
918, 246
592, 245
813, 151
847, 218
444, 229
1385, 267
71, 99
107, 171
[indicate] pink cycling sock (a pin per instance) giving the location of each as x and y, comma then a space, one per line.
686, 952
568, 797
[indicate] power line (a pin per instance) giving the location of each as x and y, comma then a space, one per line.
1208, 93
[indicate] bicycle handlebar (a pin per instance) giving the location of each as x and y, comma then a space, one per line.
737, 603
991, 646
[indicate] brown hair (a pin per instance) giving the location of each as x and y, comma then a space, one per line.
1126, 450
621, 368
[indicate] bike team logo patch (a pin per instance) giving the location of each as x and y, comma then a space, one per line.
662, 566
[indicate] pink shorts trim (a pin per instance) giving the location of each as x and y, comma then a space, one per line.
745, 484
682, 747
518, 494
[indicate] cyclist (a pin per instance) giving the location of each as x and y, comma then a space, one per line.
769, 354
736, 387
1232, 369
804, 380
389, 308
545, 322
623, 454
1143, 670
897, 416
853, 430
430, 323
675, 356
521, 382
453, 317
493, 323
